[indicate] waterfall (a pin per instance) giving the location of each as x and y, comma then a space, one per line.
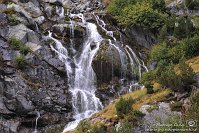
82, 79
36, 121
81, 76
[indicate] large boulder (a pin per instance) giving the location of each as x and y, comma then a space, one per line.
24, 34
107, 63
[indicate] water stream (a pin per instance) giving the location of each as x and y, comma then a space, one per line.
36, 121
81, 77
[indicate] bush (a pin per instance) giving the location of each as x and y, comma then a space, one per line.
124, 107
193, 111
116, 6
191, 46
24, 50
177, 106
130, 121
99, 128
138, 12
178, 79
159, 52
18, 45
183, 27
20, 61
13, 21
15, 43
141, 14
83, 126
158, 4
146, 80
191, 4
163, 33
9, 11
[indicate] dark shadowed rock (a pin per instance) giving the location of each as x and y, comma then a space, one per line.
139, 36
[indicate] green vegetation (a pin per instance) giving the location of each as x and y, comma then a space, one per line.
9, 11
191, 4
183, 27
24, 50
177, 106
84, 127
193, 111
148, 14
20, 61
14, 42
13, 21
18, 45
123, 107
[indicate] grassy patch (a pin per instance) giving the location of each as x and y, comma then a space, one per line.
194, 63
176, 106
13, 21
152, 99
20, 61
18, 45
140, 96
14, 42
9, 11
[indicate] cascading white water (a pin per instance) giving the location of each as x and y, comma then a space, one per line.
135, 62
36, 121
82, 77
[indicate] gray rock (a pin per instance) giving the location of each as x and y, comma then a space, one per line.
3, 20
107, 63
3, 109
26, 16
24, 34
9, 126
140, 37
33, 9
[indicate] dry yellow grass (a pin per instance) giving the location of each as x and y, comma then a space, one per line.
152, 99
141, 96
194, 63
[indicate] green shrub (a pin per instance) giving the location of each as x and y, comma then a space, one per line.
20, 61
130, 121
183, 27
13, 21
24, 50
158, 4
18, 45
15, 43
116, 6
177, 106
83, 126
163, 33
147, 14
99, 128
177, 53
9, 11
193, 111
191, 47
178, 80
146, 80
191, 4
159, 52
124, 107
141, 14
